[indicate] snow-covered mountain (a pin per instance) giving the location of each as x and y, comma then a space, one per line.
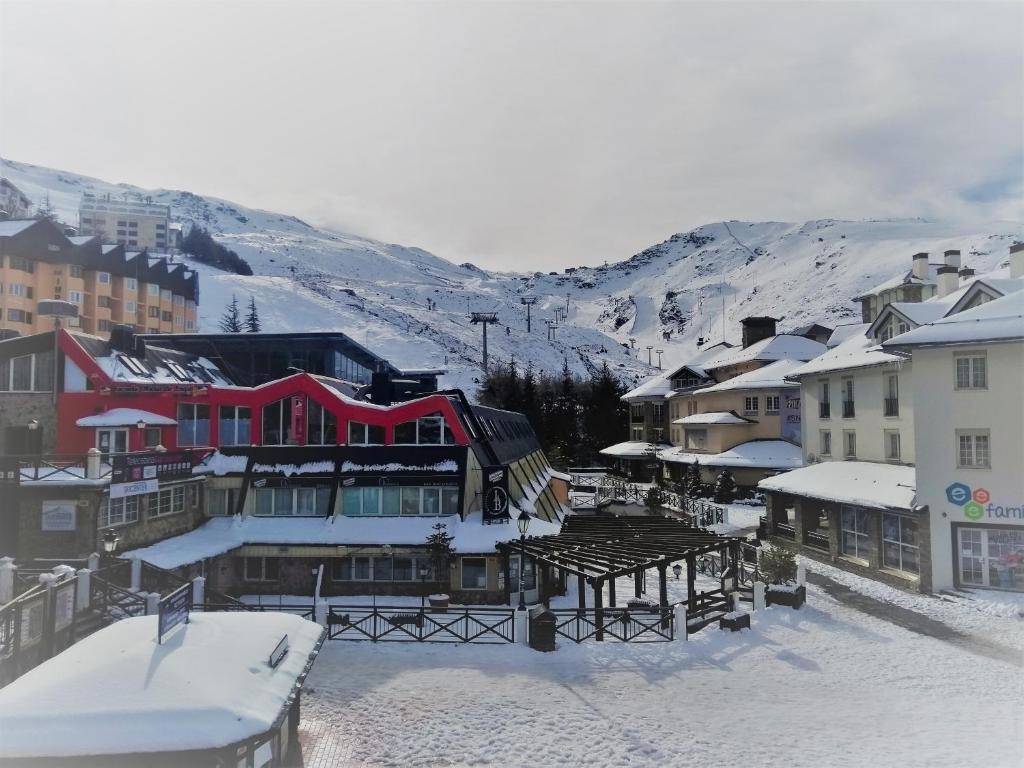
309, 278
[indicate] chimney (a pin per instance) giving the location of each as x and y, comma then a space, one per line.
920, 266
757, 328
952, 259
948, 280
965, 273
1017, 260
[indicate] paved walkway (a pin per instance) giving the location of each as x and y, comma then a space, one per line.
913, 621
322, 745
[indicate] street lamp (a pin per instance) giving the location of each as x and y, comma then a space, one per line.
523, 521
677, 569
110, 540
423, 592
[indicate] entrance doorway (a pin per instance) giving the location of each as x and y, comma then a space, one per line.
112, 441
991, 557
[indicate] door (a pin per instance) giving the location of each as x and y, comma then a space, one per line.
112, 441
972, 557
531, 594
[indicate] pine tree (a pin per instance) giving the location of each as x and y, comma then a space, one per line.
252, 318
439, 545
531, 402
694, 487
604, 414
230, 321
725, 488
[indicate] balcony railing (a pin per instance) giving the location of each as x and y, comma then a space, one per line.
816, 539
824, 410
892, 406
848, 409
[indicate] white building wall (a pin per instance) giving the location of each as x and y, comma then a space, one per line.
869, 421
1000, 409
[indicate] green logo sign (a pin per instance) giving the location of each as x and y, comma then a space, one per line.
973, 511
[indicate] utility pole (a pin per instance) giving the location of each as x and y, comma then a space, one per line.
649, 348
485, 319
659, 353
528, 301
567, 304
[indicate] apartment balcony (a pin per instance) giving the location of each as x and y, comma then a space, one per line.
848, 410
824, 410
892, 406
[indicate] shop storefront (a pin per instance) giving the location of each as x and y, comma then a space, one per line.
989, 556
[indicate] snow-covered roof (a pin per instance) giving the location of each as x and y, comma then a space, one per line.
771, 376
118, 692
856, 352
844, 332
713, 417
863, 483
223, 534
661, 385
904, 278
997, 320
780, 347
762, 454
119, 417
11, 228
656, 386
631, 449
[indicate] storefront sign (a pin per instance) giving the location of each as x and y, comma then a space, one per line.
59, 515
160, 465
174, 610
976, 503
495, 497
299, 419
64, 602
789, 415
120, 490
280, 651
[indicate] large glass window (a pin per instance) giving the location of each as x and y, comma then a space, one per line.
285, 501
529, 574
321, 425
410, 501
696, 439
166, 501
234, 425
474, 573
825, 442
971, 371
899, 543
220, 502
118, 511
391, 500
853, 538
262, 568
428, 430
27, 373
277, 422
365, 434
193, 424
973, 449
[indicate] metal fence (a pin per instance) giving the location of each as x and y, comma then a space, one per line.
383, 623
628, 625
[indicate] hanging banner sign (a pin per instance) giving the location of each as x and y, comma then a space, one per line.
299, 419
495, 497
160, 465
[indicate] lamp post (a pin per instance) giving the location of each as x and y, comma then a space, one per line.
110, 541
141, 426
523, 521
423, 589
677, 569
56, 309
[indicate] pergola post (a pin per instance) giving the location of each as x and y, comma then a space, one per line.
581, 587
611, 592
691, 582
598, 610
663, 592
508, 578
638, 583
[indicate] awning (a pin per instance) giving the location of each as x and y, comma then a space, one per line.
125, 417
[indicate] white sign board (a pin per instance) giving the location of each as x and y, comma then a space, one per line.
120, 490
59, 515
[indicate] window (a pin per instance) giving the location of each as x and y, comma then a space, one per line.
221, 502
973, 449
165, 295
293, 501
321, 425
361, 568
152, 289
696, 439
341, 569
529, 574
166, 501
262, 568
193, 424
277, 422
75, 271
154, 312
771, 405
103, 277
130, 307
825, 443
131, 283
659, 413
23, 291
899, 543
103, 326
382, 568
112, 440
19, 316
892, 395
151, 437
365, 434
892, 444
391, 500
166, 316
234, 425
853, 537
636, 412
104, 302
971, 371
27, 373
179, 300
21, 264
474, 573
636, 433
849, 444
427, 430
848, 409
750, 405
824, 403
118, 511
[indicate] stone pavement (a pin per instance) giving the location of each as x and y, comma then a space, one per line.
323, 746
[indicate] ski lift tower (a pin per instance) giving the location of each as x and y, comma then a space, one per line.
485, 319
528, 301
659, 353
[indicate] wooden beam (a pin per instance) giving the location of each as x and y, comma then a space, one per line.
598, 609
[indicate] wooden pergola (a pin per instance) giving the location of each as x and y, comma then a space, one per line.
599, 549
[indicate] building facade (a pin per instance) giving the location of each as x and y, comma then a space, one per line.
138, 224
14, 204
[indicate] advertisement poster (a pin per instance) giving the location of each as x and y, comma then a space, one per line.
59, 515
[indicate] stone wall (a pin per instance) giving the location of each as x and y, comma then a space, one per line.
17, 409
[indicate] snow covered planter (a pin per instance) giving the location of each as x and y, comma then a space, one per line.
438, 603
793, 595
404, 619
641, 604
735, 621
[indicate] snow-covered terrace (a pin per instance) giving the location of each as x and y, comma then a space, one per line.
223, 534
713, 417
862, 483
756, 454
118, 692
631, 449
771, 376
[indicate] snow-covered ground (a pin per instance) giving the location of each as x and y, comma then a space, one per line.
823, 686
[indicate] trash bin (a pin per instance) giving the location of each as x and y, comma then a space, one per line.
542, 629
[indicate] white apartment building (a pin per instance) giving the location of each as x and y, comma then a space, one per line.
135, 224
13, 202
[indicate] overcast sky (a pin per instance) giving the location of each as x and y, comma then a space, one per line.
529, 134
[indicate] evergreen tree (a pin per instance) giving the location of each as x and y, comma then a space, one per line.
201, 246
531, 402
252, 317
439, 545
604, 414
230, 322
725, 488
778, 565
655, 497
694, 487
45, 210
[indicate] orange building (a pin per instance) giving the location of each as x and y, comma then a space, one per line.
110, 285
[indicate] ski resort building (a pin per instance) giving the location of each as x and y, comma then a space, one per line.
868, 412
14, 204
139, 223
923, 281
109, 284
257, 486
